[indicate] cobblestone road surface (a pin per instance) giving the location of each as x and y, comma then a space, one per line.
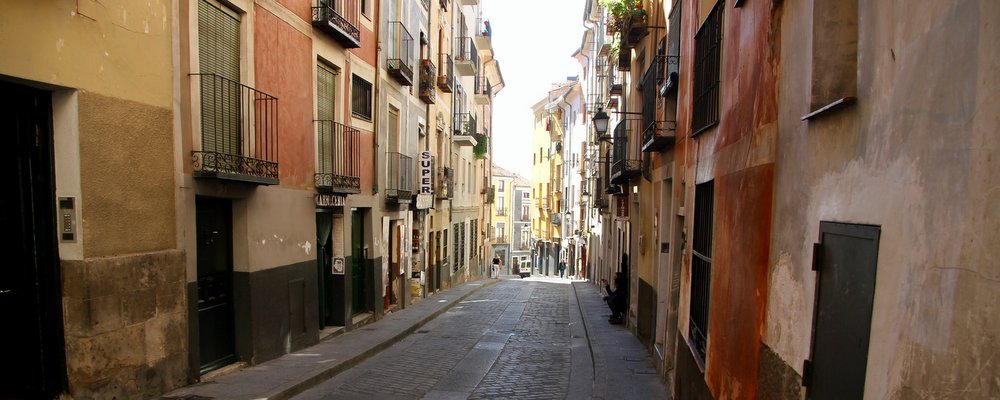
510, 340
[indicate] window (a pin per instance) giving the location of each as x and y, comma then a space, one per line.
834, 55
456, 263
364, 8
361, 98
444, 244
708, 57
525, 195
500, 186
219, 55
525, 212
701, 267
326, 78
501, 231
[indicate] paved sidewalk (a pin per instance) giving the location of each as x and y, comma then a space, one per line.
623, 368
293, 373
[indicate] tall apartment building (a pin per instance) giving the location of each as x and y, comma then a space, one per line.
551, 120
770, 170
511, 215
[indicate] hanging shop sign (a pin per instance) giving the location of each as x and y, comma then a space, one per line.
621, 207
327, 200
425, 196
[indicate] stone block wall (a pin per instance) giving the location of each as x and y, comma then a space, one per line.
125, 325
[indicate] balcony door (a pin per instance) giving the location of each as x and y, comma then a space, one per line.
33, 365
326, 104
219, 64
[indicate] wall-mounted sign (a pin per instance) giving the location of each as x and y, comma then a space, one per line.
338, 265
327, 200
621, 207
425, 201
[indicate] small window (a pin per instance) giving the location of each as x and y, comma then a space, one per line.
707, 67
701, 268
500, 186
361, 98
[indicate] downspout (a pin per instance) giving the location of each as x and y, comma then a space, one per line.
451, 162
375, 102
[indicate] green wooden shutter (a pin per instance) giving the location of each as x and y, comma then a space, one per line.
325, 78
219, 54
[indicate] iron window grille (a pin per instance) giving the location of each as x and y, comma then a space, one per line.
701, 267
707, 67
399, 59
339, 167
361, 98
239, 132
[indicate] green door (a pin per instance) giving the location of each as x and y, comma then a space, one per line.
358, 255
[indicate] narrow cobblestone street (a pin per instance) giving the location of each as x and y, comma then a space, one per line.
509, 340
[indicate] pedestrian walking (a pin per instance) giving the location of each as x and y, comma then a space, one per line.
496, 266
562, 269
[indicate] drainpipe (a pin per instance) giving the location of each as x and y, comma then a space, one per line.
451, 201
378, 80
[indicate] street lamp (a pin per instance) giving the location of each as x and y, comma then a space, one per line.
601, 121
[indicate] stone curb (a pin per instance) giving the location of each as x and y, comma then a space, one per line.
288, 390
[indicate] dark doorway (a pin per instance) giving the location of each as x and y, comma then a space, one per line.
33, 350
845, 259
324, 270
215, 283
358, 260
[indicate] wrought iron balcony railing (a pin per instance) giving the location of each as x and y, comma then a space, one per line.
483, 92
446, 177
339, 166
446, 81
399, 178
484, 34
428, 77
339, 18
501, 239
490, 195
399, 59
464, 124
626, 160
543, 203
466, 56
239, 132
657, 133
556, 219
502, 212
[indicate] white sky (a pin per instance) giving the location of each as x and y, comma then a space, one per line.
533, 40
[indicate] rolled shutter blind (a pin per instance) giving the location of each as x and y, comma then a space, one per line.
219, 54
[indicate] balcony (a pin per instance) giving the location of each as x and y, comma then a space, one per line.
483, 92
484, 34
239, 132
502, 212
466, 57
625, 59
399, 182
464, 130
468, 2
490, 194
556, 219
446, 81
634, 29
657, 133
339, 18
501, 239
626, 160
428, 76
399, 58
446, 177
543, 203
339, 166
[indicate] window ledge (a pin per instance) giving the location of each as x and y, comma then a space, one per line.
829, 108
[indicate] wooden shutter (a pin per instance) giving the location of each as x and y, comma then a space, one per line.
325, 78
219, 54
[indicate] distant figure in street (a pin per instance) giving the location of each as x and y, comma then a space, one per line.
496, 266
562, 269
616, 299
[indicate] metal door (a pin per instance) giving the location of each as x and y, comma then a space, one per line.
32, 349
215, 283
358, 256
845, 260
